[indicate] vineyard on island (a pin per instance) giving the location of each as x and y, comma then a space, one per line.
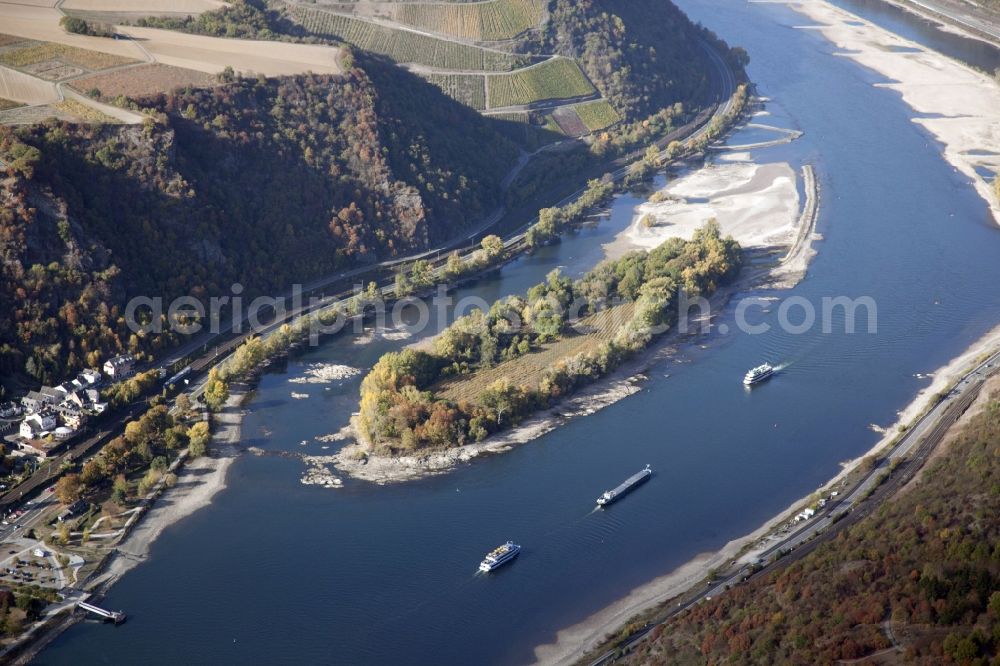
527, 370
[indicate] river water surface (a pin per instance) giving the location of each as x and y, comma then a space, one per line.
275, 571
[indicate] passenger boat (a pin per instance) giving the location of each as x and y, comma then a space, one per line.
758, 374
499, 556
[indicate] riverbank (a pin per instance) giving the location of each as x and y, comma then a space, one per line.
198, 481
576, 640
778, 225
957, 105
756, 204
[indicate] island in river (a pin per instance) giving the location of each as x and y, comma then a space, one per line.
490, 370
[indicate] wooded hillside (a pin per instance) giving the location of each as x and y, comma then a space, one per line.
643, 55
923, 571
259, 181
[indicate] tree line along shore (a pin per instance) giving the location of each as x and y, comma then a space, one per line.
489, 370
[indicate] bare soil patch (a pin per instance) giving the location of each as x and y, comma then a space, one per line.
143, 80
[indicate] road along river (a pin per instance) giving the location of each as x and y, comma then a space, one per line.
276, 571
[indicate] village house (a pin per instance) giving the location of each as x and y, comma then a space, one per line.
71, 412
89, 377
92, 401
38, 447
53, 393
120, 366
35, 401
37, 423
9, 410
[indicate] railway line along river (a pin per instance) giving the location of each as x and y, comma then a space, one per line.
275, 570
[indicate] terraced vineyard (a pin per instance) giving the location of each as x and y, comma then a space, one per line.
556, 78
527, 370
597, 115
478, 21
404, 46
512, 116
469, 89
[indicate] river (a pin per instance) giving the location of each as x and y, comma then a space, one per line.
276, 571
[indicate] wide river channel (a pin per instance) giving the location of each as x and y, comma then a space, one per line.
277, 571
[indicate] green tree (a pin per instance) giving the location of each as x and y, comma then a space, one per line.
422, 273
454, 266
403, 285
119, 491
652, 157
492, 248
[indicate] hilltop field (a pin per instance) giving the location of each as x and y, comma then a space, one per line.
574, 68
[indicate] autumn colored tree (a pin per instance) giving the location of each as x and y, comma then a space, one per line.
198, 437
69, 488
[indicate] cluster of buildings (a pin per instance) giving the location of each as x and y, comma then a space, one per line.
55, 413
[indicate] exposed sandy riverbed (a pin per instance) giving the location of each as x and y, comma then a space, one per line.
757, 204
960, 106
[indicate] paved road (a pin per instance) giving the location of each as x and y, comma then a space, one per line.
29, 517
908, 455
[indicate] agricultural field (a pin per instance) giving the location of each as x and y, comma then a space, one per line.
143, 80
83, 112
597, 115
213, 54
7, 40
477, 21
469, 89
20, 87
30, 115
401, 45
512, 116
53, 70
42, 52
143, 7
527, 370
556, 78
569, 123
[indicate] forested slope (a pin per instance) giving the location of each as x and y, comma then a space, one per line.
259, 181
924, 571
643, 55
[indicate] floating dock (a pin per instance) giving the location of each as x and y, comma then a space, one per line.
114, 616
